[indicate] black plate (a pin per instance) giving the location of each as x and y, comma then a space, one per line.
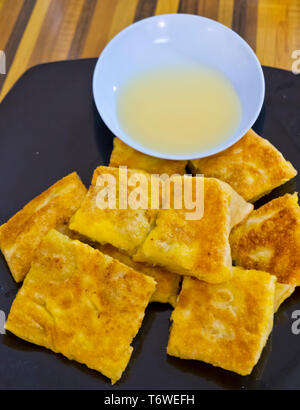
48, 128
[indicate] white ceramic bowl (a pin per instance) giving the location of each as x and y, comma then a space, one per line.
178, 38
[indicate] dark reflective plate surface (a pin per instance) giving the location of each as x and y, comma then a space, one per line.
48, 128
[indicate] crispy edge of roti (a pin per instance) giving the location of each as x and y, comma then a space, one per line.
125, 229
124, 155
175, 243
251, 147
282, 292
74, 296
269, 239
51, 209
207, 326
168, 283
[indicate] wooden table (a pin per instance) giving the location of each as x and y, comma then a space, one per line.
38, 31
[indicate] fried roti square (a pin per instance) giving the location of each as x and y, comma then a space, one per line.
269, 240
167, 287
226, 325
79, 302
125, 229
124, 155
252, 166
21, 235
198, 248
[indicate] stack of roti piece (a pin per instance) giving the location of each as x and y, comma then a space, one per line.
85, 293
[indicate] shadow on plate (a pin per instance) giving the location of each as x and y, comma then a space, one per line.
288, 188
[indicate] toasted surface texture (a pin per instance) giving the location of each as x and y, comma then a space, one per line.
123, 154
269, 240
239, 208
81, 303
21, 235
252, 166
167, 287
198, 248
226, 325
282, 292
125, 229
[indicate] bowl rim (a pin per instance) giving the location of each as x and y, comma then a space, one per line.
143, 149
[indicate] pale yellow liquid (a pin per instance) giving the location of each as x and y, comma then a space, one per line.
179, 110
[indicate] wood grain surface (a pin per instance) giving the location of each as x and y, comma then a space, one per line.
39, 31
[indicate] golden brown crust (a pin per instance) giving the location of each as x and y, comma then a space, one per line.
123, 154
21, 235
239, 208
167, 287
198, 248
252, 166
269, 240
226, 325
81, 303
282, 292
123, 228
